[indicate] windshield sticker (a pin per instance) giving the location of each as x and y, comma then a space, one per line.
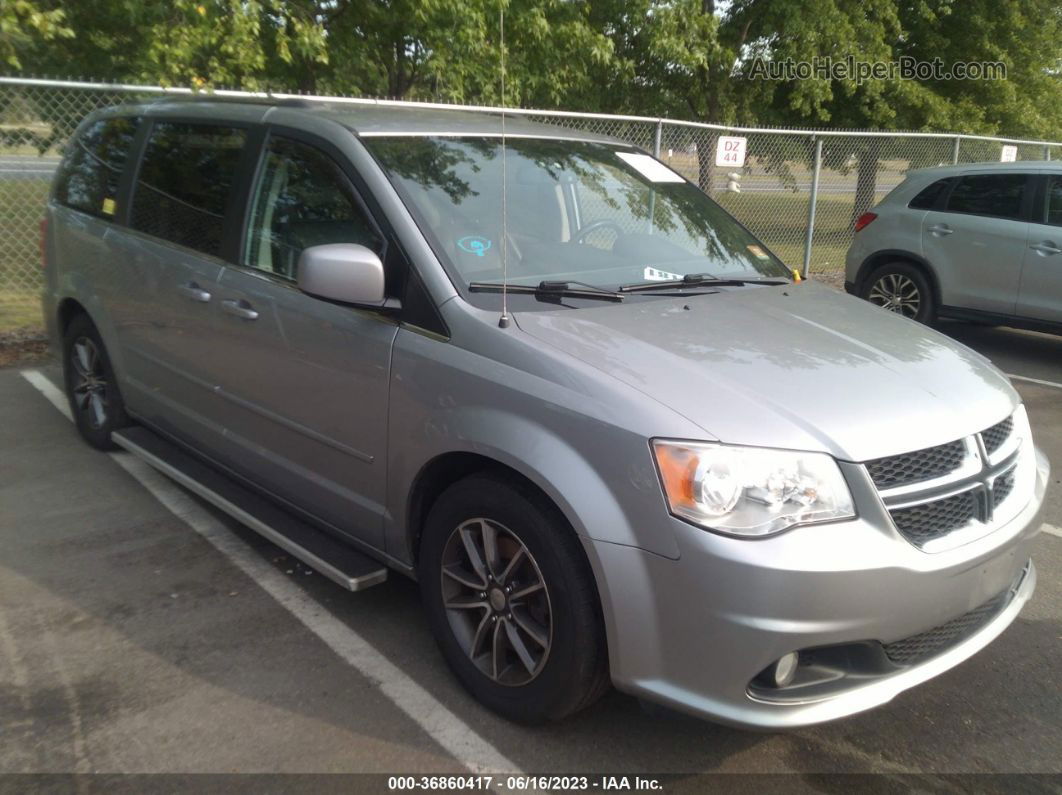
475, 245
655, 275
108, 206
758, 252
650, 168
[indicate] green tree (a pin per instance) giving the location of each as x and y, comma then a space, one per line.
22, 22
1022, 34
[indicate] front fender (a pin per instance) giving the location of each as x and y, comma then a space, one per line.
584, 451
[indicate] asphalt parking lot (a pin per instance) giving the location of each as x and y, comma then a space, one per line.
141, 631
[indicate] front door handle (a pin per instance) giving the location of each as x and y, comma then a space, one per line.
1046, 248
240, 309
941, 230
195, 292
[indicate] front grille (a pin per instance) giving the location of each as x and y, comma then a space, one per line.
901, 470
923, 523
915, 649
997, 434
1002, 487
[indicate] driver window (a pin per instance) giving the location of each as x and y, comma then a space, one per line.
302, 199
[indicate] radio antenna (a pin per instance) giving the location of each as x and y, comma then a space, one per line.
503, 321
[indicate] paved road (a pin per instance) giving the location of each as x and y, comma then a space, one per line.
134, 640
27, 167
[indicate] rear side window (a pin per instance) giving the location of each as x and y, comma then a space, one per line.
185, 181
89, 175
929, 196
998, 195
1054, 200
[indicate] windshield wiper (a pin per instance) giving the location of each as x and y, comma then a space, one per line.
547, 288
696, 280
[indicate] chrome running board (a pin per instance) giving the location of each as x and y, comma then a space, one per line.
321, 551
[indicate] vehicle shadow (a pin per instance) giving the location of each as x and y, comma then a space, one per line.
1015, 351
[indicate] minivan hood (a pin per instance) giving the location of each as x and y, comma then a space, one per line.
799, 366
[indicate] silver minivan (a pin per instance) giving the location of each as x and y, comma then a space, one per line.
612, 436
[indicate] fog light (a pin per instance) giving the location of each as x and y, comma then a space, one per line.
784, 670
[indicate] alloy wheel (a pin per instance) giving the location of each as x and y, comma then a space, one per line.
90, 382
496, 602
896, 293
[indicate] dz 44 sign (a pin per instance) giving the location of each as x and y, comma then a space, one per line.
730, 151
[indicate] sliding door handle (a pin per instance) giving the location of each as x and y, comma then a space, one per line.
195, 292
240, 309
1047, 248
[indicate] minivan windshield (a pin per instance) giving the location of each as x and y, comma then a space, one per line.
598, 214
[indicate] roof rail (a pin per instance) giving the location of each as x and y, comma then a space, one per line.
248, 99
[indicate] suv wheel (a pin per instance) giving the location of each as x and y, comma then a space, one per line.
511, 600
902, 288
91, 386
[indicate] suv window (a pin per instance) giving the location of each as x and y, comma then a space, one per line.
998, 195
302, 199
184, 183
927, 198
89, 175
1054, 200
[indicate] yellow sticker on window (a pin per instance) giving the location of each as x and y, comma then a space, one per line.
108, 206
757, 252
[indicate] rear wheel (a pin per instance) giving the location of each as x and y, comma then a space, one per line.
91, 386
901, 288
511, 600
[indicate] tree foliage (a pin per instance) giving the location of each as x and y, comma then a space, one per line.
679, 58
24, 23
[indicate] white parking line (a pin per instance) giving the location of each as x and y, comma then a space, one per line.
1050, 528
1040, 381
454, 735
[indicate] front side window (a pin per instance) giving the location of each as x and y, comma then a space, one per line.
185, 180
302, 199
596, 213
997, 195
89, 175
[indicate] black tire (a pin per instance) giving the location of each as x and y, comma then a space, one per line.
894, 285
91, 386
573, 671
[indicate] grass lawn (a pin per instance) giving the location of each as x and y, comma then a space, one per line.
780, 219
21, 209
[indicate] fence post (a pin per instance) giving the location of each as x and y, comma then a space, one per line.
955, 150
811, 205
1047, 152
656, 139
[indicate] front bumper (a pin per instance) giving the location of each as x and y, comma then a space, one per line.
693, 633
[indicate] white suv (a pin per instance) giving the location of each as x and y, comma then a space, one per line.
980, 242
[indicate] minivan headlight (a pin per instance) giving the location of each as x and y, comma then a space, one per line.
750, 491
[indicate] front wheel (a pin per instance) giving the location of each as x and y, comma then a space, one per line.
511, 600
91, 386
901, 288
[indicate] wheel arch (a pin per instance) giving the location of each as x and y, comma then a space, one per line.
446, 469
66, 311
879, 258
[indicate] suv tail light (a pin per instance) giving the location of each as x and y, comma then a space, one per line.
44, 242
864, 220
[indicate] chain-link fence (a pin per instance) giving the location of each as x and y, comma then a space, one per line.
800, 191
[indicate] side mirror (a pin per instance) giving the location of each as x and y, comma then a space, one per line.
344, 272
